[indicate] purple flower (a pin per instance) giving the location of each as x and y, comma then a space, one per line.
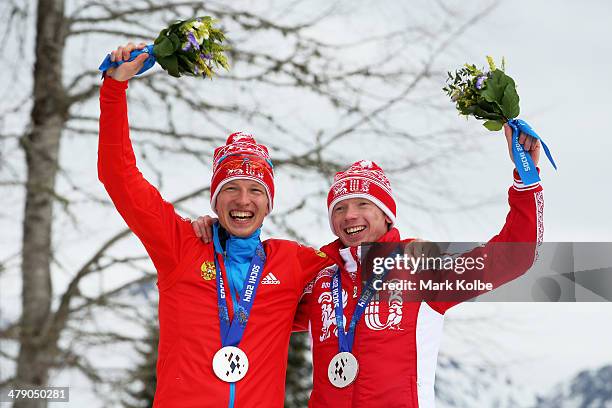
196, 70
187, 47
480, 81
206, 56
192, 40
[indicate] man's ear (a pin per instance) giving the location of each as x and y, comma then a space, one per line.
389, 222
267, 207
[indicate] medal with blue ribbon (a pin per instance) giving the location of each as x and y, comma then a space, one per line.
230, 363
343, 367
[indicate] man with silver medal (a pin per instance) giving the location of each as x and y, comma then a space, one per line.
362, 356
224, 281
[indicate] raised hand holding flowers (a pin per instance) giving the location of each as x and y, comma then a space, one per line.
492, 96
186, 47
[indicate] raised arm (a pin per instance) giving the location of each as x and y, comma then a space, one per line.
151, 218
524, 224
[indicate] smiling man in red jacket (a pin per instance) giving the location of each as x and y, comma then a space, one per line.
226, 307
392, 357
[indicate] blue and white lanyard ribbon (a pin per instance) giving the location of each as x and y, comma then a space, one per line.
346, 339
149, 62
232, 332
524, 164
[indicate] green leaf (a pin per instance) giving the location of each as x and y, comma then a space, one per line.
176, 24
170, 64
480, 113
493, 125
489, 106
163, 49
186, 62
220, 59
161, 36
510, 101
496, 84
175, 40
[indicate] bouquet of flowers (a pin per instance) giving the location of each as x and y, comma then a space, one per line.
186, 47
491, 96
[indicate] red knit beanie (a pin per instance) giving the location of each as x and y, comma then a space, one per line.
242, 158
364, 179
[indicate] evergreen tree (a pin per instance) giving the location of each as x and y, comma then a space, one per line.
299, 372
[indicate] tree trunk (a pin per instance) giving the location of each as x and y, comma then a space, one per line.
41, 147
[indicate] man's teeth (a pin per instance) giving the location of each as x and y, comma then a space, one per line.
354, 230
241, 214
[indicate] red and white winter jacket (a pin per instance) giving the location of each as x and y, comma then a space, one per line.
396, 342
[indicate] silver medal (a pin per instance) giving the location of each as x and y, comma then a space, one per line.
343, 369
230, 364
